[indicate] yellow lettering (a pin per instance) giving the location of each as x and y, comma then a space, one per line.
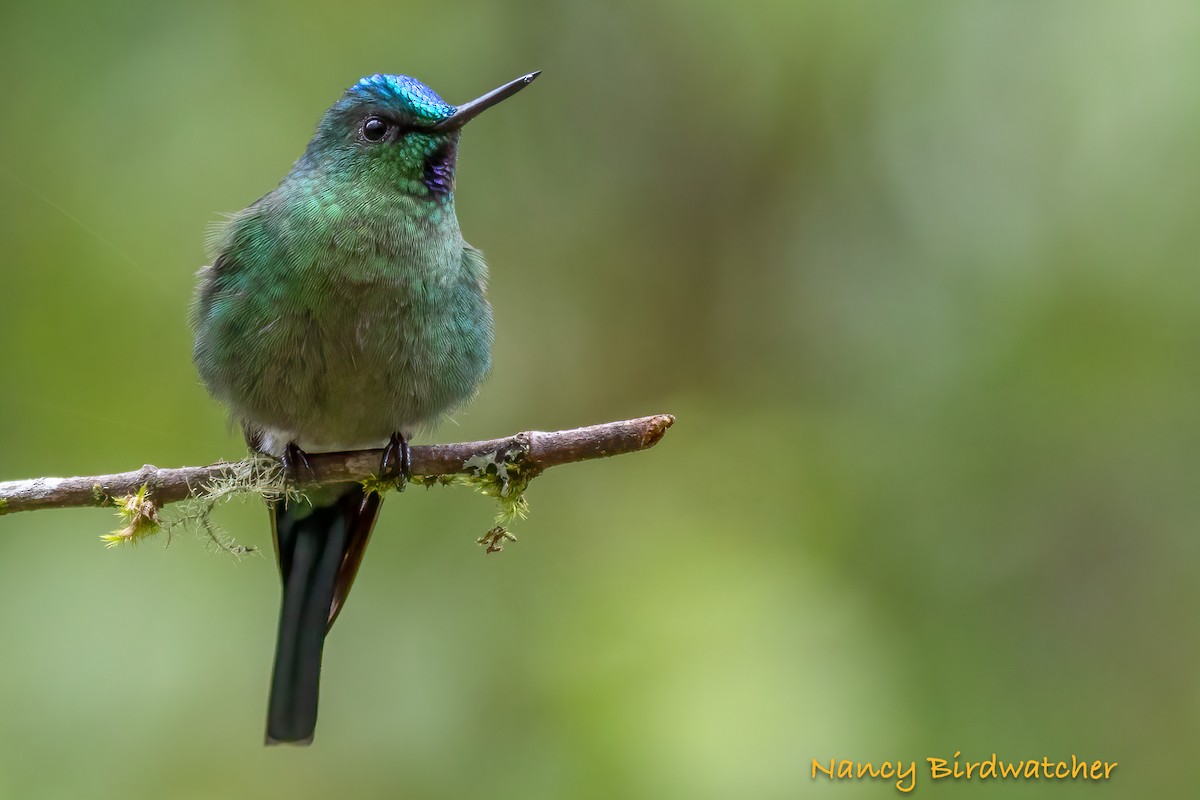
939, 768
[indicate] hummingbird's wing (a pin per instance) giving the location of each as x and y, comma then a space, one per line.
362, 522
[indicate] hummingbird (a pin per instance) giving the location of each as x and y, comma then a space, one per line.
344, 311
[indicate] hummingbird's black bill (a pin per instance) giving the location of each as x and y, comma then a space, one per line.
468, 111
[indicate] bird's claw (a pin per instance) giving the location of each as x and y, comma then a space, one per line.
296, 468
396, 464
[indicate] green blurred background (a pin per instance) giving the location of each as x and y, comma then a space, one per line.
918, 280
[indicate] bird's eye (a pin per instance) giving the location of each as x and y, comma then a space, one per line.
374, 129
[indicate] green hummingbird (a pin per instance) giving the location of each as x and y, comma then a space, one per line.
344, 311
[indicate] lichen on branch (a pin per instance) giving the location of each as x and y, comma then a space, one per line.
500, 468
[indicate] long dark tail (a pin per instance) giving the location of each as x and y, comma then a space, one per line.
319, 549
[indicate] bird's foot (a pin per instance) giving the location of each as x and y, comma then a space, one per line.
296, 468
396, 464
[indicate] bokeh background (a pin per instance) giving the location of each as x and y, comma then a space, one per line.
918, 280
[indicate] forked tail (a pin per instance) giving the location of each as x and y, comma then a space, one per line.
319, 547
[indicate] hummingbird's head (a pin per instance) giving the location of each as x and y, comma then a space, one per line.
396, 130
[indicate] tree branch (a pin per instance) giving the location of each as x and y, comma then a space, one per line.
530, 452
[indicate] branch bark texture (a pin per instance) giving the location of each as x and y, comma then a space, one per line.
535, 451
